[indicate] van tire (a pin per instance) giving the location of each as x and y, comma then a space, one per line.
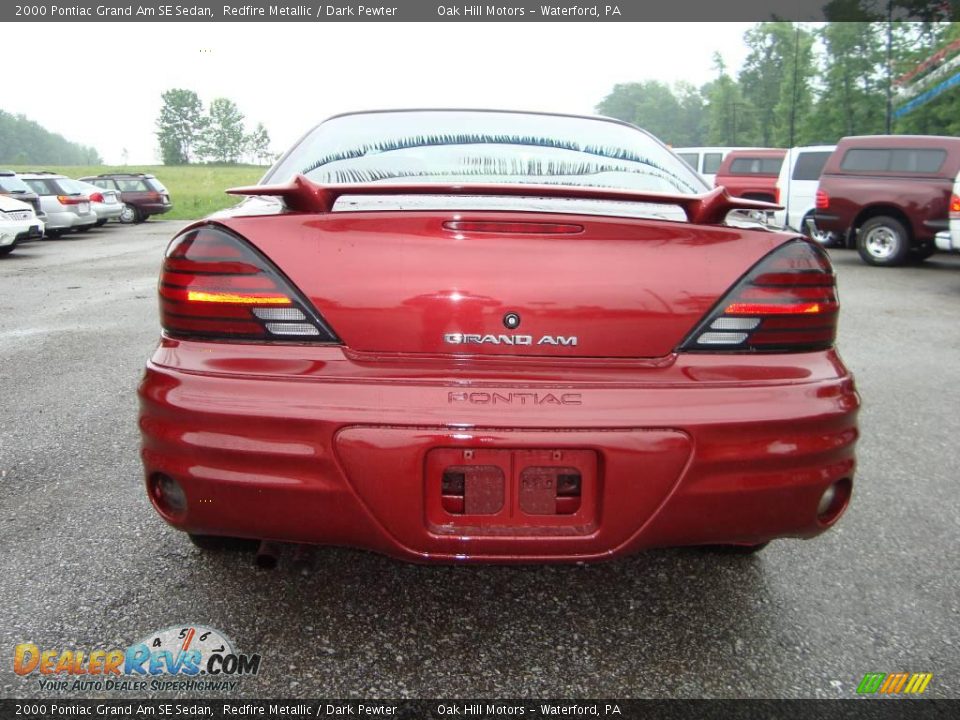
883, 241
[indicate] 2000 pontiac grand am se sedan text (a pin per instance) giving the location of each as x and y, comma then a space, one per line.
498, 337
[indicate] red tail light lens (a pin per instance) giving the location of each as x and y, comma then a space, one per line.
214, 285
823, 200
97, 197
72, 199
954, 206
776, 195
786, 303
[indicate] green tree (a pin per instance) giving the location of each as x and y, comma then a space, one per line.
730, 118
649, 104
223, 139
775, 80
180, 126
24, 142
258, 145
852, 97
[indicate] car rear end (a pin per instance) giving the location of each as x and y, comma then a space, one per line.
18, 223
145, 194
949, 240
105, 203
495, 372
796, 190
751, 173
12, 186
63, 201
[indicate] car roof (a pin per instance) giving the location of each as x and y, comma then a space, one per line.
118, 174
884, 141
40, 174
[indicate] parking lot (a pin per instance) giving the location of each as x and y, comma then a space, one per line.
87, 563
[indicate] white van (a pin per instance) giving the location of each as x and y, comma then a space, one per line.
797, 189
705, 160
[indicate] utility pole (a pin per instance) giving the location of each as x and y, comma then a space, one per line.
889, 64
793, 105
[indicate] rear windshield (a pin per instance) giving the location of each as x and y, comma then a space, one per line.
155, 185
13, 184
131, 185
755, 166
810, 164
71, 187
908, 160
429, 146
43, 187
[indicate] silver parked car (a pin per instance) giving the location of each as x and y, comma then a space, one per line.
105, 203
64, 201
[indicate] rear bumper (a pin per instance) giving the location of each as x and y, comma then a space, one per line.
309, 445
154, 208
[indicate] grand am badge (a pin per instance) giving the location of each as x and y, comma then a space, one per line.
469, 339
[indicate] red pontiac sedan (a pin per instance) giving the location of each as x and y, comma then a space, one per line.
460, 335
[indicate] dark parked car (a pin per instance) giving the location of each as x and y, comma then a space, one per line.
14, 187
142, 195
751, 173
889, 195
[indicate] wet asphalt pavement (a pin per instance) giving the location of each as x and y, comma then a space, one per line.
86, 562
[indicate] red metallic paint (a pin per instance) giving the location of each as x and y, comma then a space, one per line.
397, 282
321, 445
332, 444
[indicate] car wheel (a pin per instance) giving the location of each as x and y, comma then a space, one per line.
6, 250
129, 214
883, 241
85, 228
222, 542
820, 237
54, 233
101, 222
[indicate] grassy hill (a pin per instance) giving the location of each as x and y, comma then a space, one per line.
196, 190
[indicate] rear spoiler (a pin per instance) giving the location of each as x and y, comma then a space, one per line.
303, 195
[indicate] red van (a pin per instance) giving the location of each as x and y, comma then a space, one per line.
752, 173
889, 195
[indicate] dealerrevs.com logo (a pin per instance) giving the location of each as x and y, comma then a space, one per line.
188, 657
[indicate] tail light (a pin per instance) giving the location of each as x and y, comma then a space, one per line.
96, 197
823, 200
776, 195
955, 206
72, 199
786, 303
214, 285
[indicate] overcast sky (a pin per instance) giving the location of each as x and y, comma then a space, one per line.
99, 84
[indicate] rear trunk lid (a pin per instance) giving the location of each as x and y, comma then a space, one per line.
502, 283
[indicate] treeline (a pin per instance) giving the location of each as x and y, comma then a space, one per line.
799, 86
188, 133
24, 142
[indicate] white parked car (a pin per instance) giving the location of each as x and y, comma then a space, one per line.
105, 203
797, 190
705, 160
18, 222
